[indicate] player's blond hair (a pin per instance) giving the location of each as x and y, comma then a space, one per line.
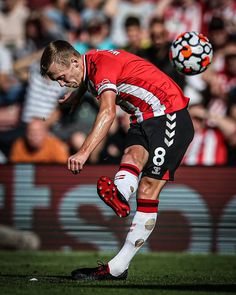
60, 52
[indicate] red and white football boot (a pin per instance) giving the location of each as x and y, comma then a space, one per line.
99, 273
109, 193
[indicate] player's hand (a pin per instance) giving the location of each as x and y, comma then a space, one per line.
68, 97
76, 162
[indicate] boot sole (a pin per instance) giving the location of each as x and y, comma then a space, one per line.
108, 192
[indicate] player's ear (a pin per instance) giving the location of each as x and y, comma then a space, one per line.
75, 62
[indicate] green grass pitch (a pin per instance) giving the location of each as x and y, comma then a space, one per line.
152, 273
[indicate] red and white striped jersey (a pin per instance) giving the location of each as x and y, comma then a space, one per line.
207, 148
142, 89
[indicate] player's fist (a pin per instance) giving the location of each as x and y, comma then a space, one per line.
66, 98
76, 162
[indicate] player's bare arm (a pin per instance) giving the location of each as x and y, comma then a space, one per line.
102, 124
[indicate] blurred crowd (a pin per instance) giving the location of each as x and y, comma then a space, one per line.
34, 128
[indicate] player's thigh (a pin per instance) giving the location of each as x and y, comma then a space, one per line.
136, 155
150, 188
136, 148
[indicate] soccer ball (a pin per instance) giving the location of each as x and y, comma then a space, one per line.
191, 53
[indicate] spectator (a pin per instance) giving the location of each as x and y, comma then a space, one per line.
135, 39
10, 128
158, 51
232, 114
219, 38
35, 5
51, 27
180, 16
10, 89
97, 36
118, 11
65, 18
11, 97
35, 37
57, 12
41, 98
212, 131
219, 95
220, 83
12, 20
92, 9
38, 146
224, 9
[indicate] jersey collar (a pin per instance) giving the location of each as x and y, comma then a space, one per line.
85, 68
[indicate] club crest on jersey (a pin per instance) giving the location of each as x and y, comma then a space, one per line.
93, 68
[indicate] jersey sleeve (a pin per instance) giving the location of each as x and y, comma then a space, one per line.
107, 74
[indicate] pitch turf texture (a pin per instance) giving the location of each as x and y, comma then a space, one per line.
149, 274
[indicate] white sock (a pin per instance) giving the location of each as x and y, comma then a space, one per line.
126, 180
142, 226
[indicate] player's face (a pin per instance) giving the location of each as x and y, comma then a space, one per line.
67, 76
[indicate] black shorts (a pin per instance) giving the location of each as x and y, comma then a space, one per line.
166, 138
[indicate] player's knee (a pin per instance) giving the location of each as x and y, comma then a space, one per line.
132, 156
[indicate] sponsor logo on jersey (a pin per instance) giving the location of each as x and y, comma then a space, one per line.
156, 170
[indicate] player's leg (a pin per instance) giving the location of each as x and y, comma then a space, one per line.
126, 179
169, 137
116, 194
142, 225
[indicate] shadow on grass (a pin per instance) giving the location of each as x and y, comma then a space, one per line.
188, 287
124, 284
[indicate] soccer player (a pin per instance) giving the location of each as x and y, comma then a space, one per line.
159, 134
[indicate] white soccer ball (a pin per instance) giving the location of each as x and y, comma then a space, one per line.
191, 53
